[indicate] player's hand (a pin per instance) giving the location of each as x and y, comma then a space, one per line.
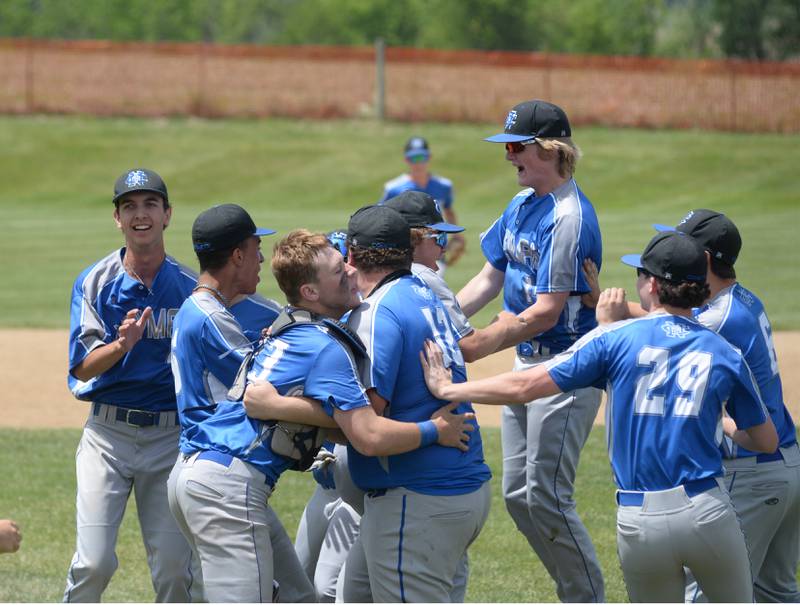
10, 536
132, 328
592, 275
322, 468
453, 429
612, 306
259, 397
456, 246
437, 376
728, 426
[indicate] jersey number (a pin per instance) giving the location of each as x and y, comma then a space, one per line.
766, 331
691, 378
443, 335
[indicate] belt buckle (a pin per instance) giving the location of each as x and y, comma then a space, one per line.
149, 415
128, 418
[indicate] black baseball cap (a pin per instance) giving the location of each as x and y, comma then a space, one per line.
421, 210
139, 179
713, 230
532, 120
224, 226
672, 256
378, 227
416, 147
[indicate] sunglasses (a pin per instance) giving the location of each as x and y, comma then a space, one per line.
417, 159
519, 147
441, 238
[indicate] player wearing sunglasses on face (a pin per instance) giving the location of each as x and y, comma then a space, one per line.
420, 178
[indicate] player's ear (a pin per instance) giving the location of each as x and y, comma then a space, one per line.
116, 217
309, 292
167, 216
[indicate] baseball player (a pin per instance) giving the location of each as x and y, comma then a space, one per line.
419, 178
764, 487
211, 338
120, 328
668, 381
238, 459
424, 508
534, 254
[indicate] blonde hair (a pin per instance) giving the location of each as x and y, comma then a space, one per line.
568, 153
295, 261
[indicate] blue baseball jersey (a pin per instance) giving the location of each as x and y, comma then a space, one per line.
101, 297
738, 315
394, 322
438, 187
209, 344
667, 379
303, 360
540, 244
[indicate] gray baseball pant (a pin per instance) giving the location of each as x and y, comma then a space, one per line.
542, 442
222, 511
670, 531
766, 498
413, 542
112, 459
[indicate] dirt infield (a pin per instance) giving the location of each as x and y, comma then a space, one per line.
33, 375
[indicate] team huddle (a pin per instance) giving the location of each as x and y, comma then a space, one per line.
204, 393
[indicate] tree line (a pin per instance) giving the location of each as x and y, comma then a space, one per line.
747, 29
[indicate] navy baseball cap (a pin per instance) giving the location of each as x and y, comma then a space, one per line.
713, 230
139, 179
417, 147
532, 120
672, 256
224, 226
421, 210
378, 227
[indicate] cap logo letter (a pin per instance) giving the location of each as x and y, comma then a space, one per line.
136, 178
511, 119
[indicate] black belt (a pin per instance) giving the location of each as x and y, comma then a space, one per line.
692, 488
138, 418
529, 348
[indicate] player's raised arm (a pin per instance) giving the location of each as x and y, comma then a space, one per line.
510, 387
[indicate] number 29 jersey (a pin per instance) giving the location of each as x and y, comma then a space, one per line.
668, 380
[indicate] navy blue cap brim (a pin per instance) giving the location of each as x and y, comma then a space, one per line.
445, 227
260, 231
634, 260
509, 138
660, 227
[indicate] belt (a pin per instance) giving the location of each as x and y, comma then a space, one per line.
214, 456
376, 493
692, 488
776, 455
529, 348
138, 418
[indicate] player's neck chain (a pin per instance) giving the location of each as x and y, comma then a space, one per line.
216, 292
134, 274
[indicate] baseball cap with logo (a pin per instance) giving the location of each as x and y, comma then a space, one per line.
338, 240
378, 227
421, 210
532, 120
224, 226
417, 149
713, 230
672, 256
139, 179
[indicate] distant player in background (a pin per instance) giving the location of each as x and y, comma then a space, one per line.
120, 329
668, 381
212, 334
535, 252
419, 178
764, 487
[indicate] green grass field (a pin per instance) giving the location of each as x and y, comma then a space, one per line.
58, 175
40, 494
55, 190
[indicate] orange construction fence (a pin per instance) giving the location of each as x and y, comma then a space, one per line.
164, 79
